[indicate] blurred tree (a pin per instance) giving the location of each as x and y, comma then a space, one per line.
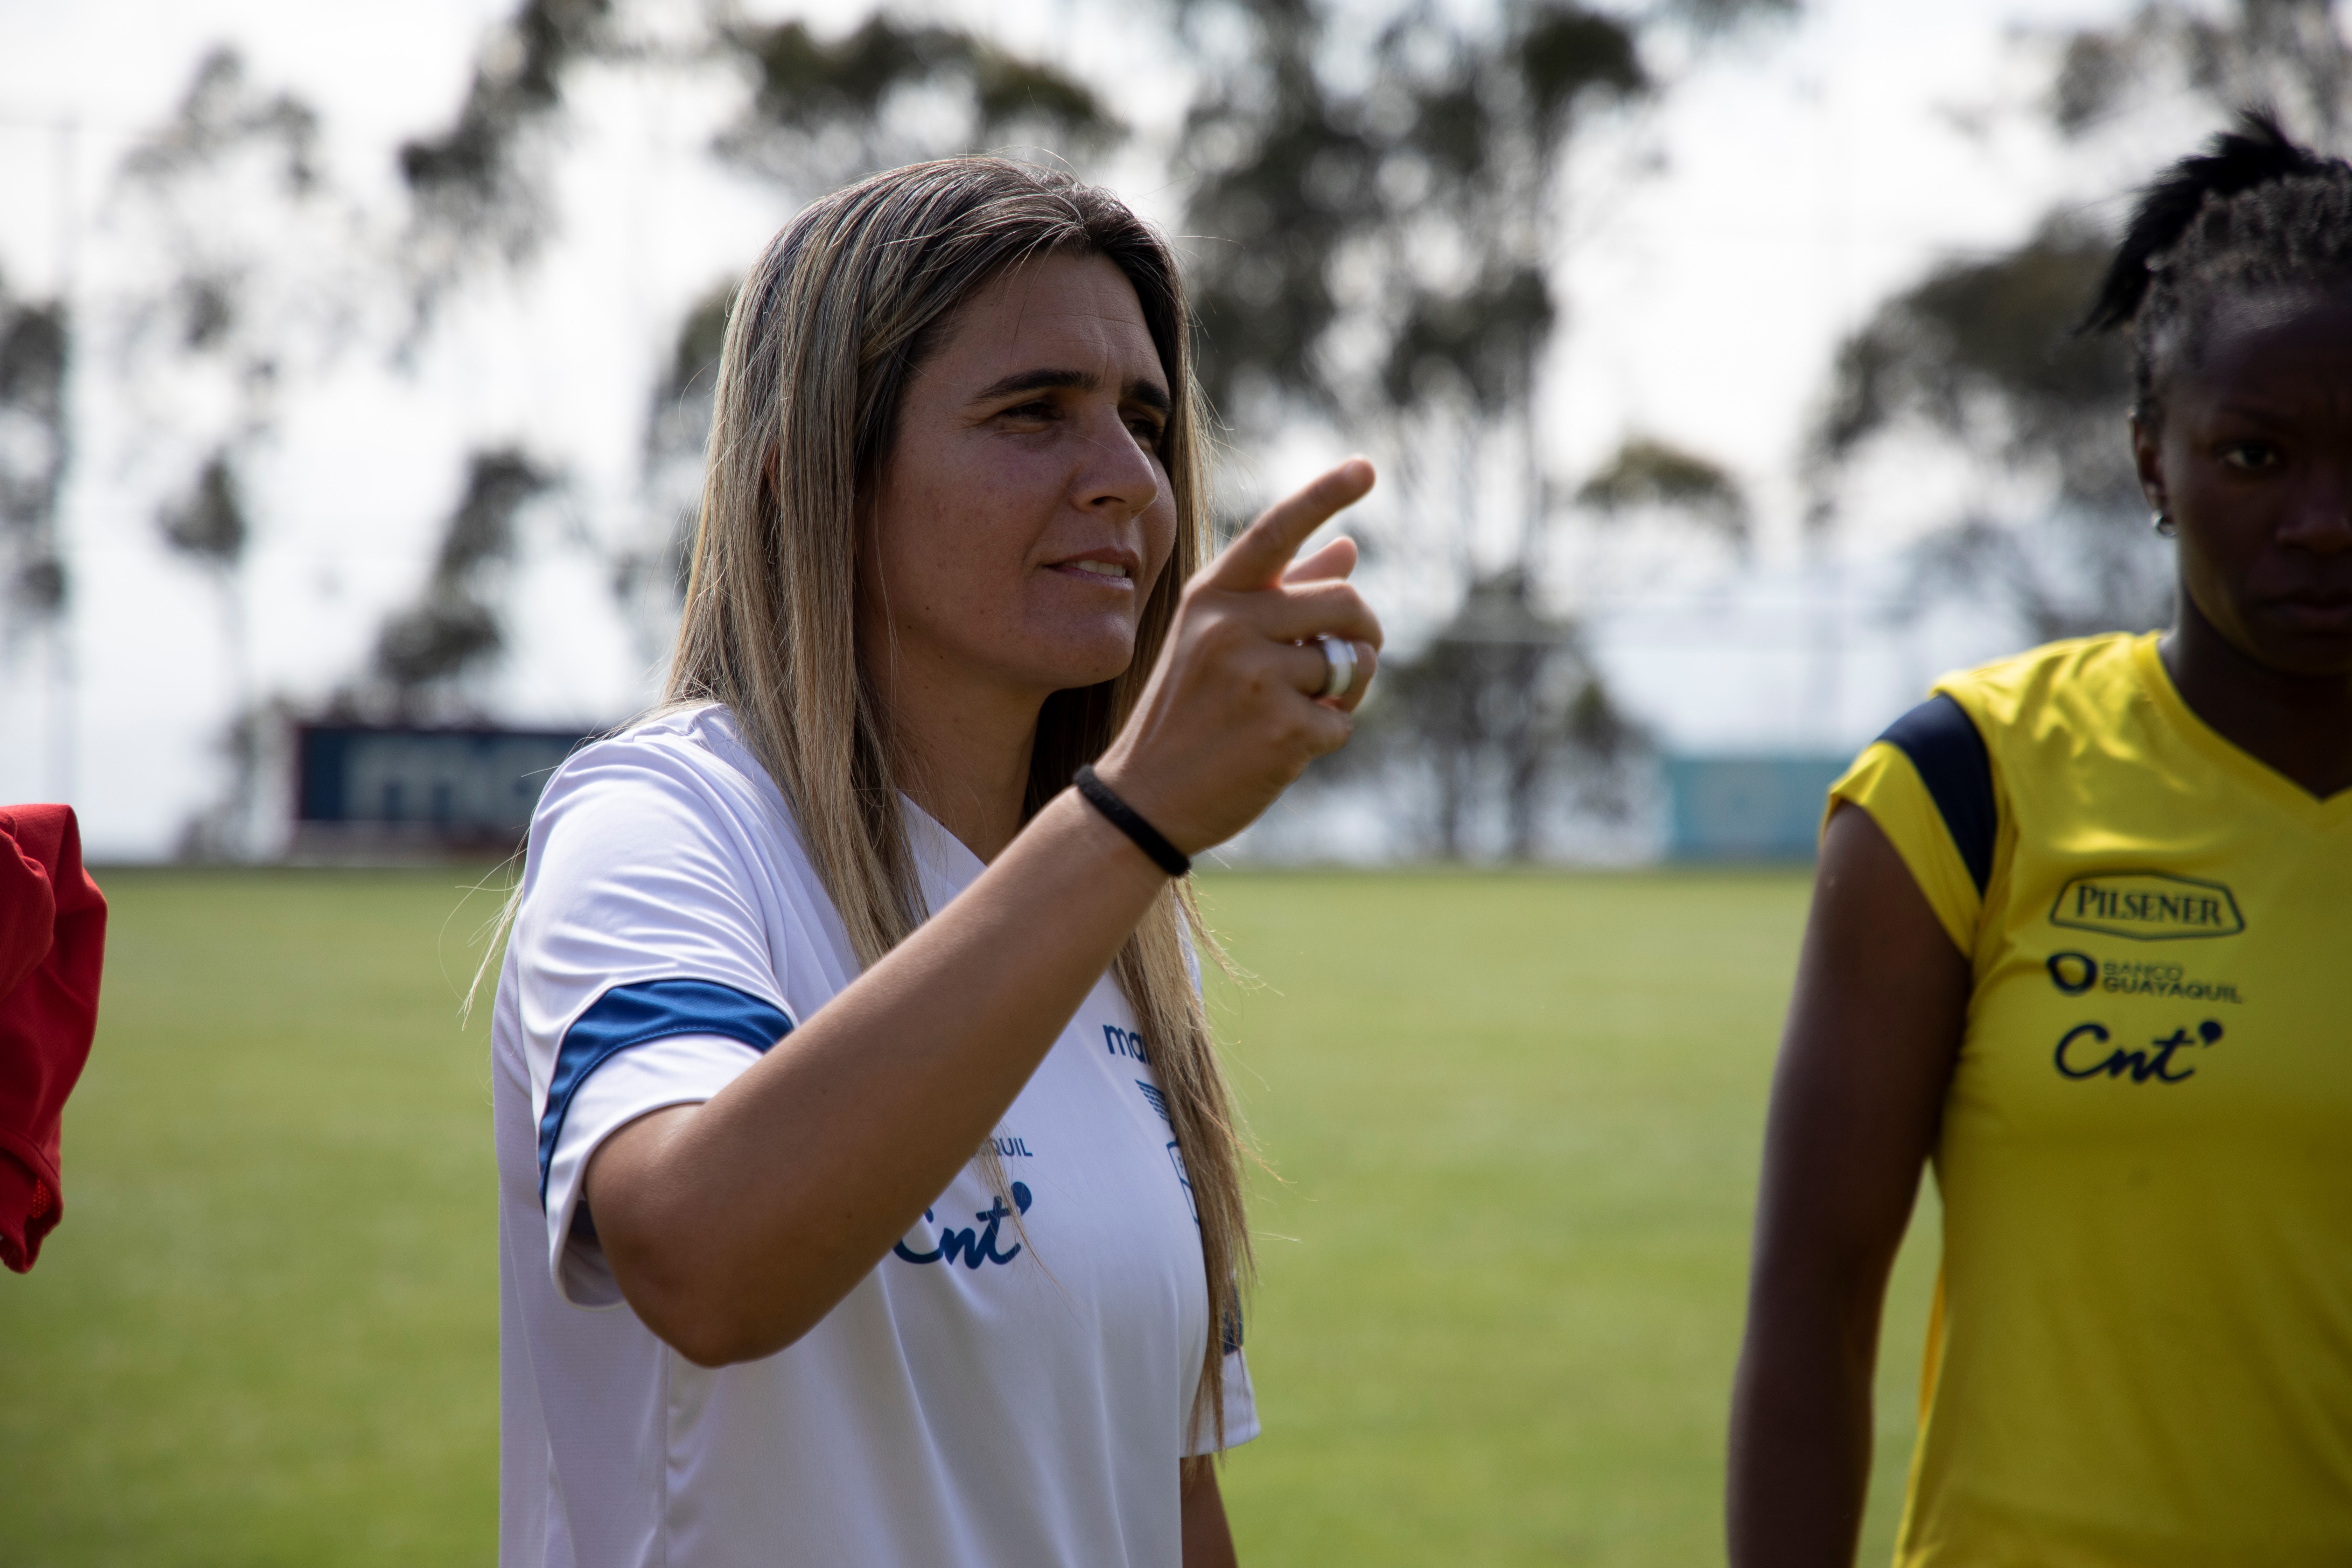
208, 525
254, 274
1393, 219
1650, 475
2287, 53
424, 652
649, 577
36, 353
209, 314
819, 110
1502, 705
822, 111
1383, 239
891, 91
477, 190
1978, 356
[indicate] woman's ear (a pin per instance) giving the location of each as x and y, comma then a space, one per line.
2148, 456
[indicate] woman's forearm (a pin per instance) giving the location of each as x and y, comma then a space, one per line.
1802, 1428
734, 1226
1873, 1029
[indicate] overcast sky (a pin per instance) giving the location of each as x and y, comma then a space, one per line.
1806, 172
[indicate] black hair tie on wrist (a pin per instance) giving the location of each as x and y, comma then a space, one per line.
1127, 820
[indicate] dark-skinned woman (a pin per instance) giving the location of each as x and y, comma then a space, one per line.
2078, 938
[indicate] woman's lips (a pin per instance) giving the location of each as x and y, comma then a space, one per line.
2315, 613
1103, 571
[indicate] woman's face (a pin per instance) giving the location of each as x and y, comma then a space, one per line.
2253, 461
1025, 513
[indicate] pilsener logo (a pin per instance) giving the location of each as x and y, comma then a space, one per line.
2147, 906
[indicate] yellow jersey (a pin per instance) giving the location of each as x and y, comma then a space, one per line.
2141, 1351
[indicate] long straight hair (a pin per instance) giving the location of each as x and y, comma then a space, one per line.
822, 341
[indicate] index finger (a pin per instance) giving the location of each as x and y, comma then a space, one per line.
1255, 559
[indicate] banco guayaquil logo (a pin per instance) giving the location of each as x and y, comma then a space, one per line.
2147, 906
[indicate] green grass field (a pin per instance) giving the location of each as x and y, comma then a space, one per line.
1514, 1120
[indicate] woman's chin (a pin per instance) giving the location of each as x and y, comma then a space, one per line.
1084, 655
1069, 674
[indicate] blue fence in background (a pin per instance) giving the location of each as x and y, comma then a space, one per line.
1747, 808
459, 786
360, 784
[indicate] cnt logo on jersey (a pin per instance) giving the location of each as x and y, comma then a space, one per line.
2147, 906
2080, 1054
975, 1245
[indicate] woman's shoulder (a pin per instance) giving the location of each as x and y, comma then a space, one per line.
2074, 682
665, 825
697, 749
679, 775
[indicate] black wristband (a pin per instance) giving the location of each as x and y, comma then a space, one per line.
1127, 820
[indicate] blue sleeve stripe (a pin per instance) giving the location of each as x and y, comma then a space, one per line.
630, 1015
1944, 746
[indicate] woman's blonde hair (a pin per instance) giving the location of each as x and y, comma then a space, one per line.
824, 338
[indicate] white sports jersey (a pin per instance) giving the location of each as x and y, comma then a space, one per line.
988, 1394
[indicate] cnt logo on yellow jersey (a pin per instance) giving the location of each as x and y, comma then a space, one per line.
2147, 906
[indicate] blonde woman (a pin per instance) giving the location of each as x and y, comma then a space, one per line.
869, 1192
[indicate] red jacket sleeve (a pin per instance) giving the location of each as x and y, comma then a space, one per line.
52, 944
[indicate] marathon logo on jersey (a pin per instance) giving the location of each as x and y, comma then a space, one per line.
2147, 906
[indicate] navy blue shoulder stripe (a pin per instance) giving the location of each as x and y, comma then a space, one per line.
630, 1015
1943, 744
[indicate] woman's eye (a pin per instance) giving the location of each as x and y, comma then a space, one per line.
1146, 432
2251, 456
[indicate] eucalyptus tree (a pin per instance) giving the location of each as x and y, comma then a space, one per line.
823, 109
251, 277
1648, 475
1980, 356
1383, 225
889, 91
479, 188
820, 106
36, 349
427, 649
36, 352
261, 271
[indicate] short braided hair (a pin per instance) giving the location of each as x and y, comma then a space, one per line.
2255, 211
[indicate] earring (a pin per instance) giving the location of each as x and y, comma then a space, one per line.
2161, 520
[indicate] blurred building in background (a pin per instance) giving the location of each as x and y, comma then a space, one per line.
366, 793
1746, 808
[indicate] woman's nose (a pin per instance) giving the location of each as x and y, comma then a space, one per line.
1116, 471
2321, 518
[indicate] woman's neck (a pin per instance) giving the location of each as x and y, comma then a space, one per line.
960, 751
2299, 725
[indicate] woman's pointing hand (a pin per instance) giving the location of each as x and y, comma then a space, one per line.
1232, 714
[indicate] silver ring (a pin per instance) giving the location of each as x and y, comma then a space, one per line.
1338, 666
